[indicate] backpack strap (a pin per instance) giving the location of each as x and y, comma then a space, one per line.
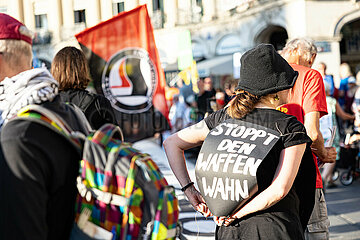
106, 197
80, 115
86, 101
129, 186
164, 195
51, 120
106, 132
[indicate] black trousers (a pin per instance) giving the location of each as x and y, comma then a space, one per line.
279, 225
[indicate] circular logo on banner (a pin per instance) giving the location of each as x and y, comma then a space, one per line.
129, 80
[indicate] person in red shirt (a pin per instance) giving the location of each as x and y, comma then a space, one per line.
307, 102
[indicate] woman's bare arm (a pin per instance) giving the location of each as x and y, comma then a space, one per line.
176, 144
342, 114
174, 147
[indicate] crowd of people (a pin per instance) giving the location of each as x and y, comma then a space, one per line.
343, 107
38, 167
187, 107
317, 104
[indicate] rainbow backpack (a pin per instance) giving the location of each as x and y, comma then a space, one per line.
122, 195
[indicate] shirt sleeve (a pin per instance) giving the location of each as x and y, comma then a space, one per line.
343, 84
314, 94
332, 85
294, 133
215, 118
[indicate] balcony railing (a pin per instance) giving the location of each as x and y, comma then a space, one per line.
157, 19
189, 16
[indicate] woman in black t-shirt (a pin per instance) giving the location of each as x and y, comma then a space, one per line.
286, 176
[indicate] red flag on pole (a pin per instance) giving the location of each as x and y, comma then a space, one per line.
125, 66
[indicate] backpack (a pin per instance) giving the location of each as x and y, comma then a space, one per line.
95, 107
83, 101
121, 192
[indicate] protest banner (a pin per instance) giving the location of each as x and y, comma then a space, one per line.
228, 161
125, 66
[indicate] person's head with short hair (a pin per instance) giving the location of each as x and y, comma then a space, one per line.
70, 69
301, 51
220, 98
358, 78
208, 84
200, 84
344, 71
15, 47
321, 68
351, 82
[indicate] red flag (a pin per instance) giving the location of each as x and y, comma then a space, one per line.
125, 66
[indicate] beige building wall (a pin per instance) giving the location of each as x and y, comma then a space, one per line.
28, 14
327, 13
55, 19
295, 15
131, 4
315, 19
106, 9
67, 8
170, 11
92, 11
209, 9
142, 2
322, 28
16, 9
68, 27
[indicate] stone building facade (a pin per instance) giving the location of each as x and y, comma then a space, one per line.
218, 28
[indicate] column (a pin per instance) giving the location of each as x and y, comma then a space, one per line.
54, 16
131, 4
68, 13
16, 10
209, 10
106, 9
28, 15
92, 12
170, 11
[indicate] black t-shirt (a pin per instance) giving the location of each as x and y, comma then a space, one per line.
292, 132
38, 170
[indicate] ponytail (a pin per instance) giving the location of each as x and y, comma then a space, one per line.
243, 103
